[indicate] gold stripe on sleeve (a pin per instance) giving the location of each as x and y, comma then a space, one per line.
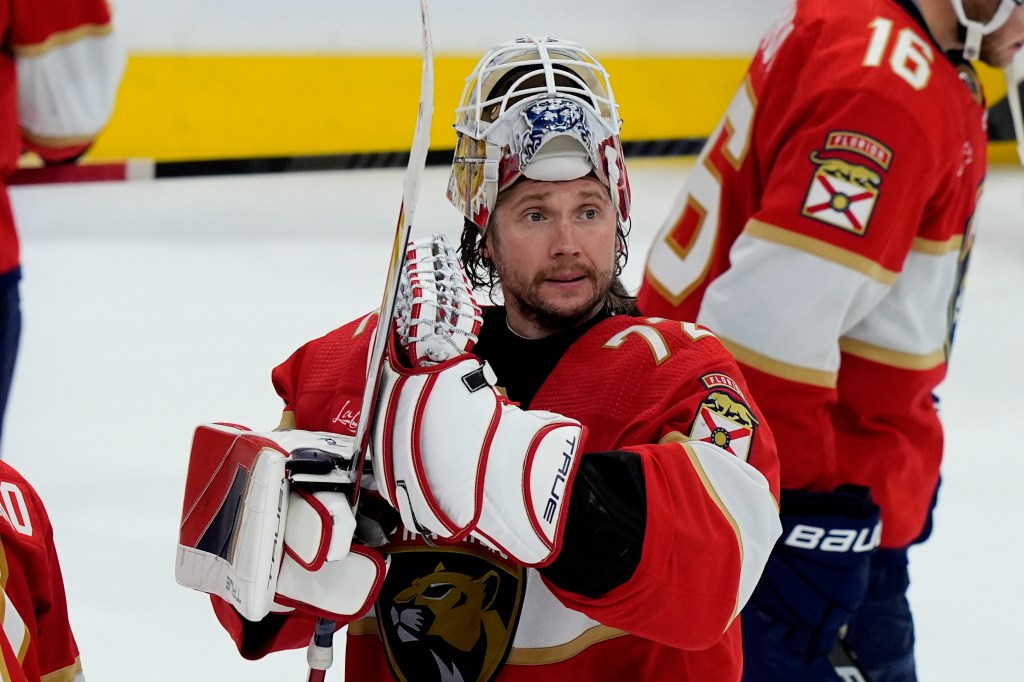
778, 368
554, 654
892, 358
933, 247
62, 38
713, 494
4, 568
67, 674
364, 626
823, 250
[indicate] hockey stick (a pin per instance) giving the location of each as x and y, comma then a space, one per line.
319, 655
845, 664
410, 193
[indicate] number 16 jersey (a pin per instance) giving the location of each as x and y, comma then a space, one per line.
823, 235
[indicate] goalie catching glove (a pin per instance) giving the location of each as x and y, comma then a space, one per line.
266, 525
436, 316
452, 454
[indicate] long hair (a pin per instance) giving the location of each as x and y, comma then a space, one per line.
483, 275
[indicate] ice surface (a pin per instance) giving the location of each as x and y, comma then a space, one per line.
150, 307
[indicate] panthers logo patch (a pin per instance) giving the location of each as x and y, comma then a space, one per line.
449, 613
726, 422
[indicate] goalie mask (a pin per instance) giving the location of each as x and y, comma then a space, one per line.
540, 108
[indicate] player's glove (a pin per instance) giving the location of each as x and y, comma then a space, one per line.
815, 579
450, 453
266, 524
436, 316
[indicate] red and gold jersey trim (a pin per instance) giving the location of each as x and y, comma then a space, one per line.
63, 38
67, 674
893, 358
554, 654
518, 655
713, 494
784, 370
934, 247
815, 247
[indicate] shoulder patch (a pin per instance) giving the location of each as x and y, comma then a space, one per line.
842, 193
719, 380
726, 422
862, 144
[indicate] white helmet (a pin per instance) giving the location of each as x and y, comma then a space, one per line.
977, 30
538, 107
1014, 71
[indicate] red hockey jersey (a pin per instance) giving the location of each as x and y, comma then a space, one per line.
666, 391
36, 639
59, 74
824, 234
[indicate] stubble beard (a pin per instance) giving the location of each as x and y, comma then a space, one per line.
524, 295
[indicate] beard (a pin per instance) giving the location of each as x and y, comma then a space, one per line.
549, 312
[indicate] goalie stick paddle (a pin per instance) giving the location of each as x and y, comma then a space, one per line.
319, 652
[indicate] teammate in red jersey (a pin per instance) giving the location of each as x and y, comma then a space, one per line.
36, 639
608, 524
60, 68
824, 235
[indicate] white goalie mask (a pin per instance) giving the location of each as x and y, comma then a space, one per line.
535, 107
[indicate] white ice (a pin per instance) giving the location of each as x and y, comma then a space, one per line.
151, 307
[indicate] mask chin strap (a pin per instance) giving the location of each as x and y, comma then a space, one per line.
977, 30
1014, 74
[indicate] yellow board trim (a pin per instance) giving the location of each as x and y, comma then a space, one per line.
174, 107
205, 106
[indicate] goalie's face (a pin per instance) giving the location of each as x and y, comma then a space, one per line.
553, 245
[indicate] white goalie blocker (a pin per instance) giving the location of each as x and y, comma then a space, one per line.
266, 539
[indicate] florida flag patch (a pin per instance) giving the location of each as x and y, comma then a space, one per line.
843, 194
726, 422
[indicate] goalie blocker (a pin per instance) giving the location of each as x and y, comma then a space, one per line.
262, 532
